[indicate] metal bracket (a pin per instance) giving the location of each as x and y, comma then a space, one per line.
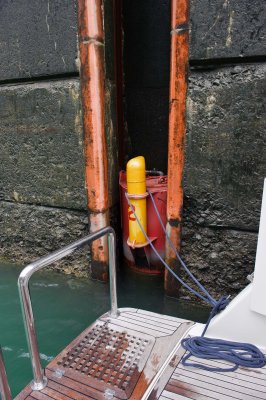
58, 373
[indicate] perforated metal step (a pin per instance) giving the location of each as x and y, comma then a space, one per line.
112, 358
118, 357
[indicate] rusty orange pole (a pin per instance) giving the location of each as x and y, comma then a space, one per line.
177, 130
91, 46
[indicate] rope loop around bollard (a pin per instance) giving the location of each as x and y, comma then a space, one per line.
138, 196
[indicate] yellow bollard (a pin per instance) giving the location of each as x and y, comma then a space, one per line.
136, 189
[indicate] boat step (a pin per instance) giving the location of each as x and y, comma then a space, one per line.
114, 358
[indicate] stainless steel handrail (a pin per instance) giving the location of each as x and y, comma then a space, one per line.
5, 393
39, 380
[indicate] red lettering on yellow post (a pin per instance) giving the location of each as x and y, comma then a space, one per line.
131, 214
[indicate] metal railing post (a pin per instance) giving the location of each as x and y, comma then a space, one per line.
112, 274
39, 379
5, 392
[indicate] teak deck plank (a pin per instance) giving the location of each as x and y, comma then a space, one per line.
72, 387
154, 316
67, 390
222, 379
24, 394
55, 394
184, 395
40, 396
177, 397
197, 384
145, 324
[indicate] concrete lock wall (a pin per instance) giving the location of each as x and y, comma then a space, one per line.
225, 141
42, 186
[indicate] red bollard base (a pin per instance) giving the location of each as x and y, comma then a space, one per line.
144, 259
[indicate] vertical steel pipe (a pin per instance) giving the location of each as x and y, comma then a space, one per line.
112, 273
177, 129
92, 75
39, 379
5, 393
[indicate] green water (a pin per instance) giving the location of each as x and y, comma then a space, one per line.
64, 306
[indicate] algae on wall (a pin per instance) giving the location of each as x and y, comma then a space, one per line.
42, 185
43, 199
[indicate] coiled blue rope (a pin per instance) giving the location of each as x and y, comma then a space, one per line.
239, 354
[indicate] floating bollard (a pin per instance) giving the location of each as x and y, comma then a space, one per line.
136, 189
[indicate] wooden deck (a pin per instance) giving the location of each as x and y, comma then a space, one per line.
137, 356
113, 358
198, 384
